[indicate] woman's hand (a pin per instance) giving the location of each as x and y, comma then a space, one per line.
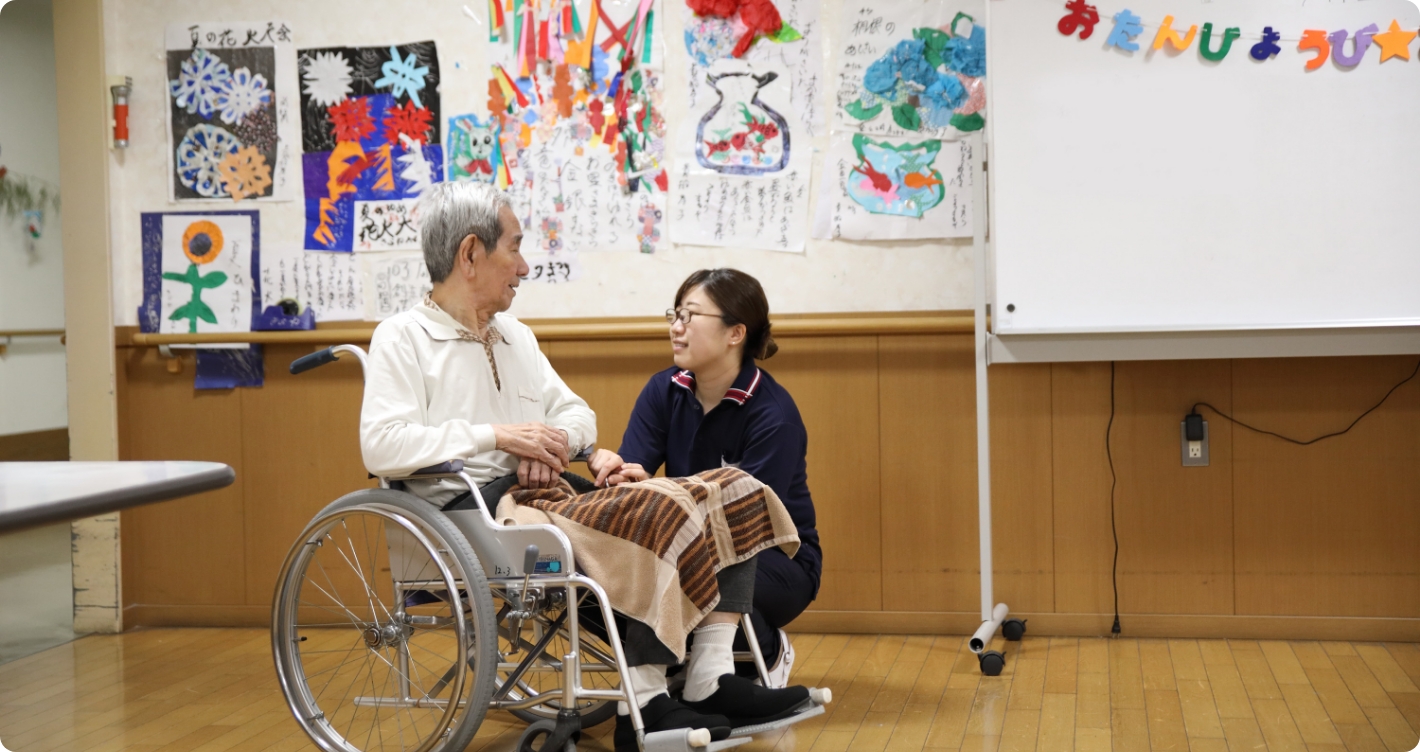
628, 472
534, 474
603, 463
538, 442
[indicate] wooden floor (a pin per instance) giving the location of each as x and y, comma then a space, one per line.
215, 689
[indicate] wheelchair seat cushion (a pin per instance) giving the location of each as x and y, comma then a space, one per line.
655, 546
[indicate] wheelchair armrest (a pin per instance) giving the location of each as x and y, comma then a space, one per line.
443, 468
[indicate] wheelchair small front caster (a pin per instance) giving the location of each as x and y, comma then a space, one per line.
991, 663
1013, 629
537, 735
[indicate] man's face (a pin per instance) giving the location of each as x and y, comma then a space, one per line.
497, 274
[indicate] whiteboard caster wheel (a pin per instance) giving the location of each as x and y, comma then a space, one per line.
1013, 629
991, 663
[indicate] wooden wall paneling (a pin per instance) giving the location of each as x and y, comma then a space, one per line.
191, 550
928, 455
302, 451
834, 382
1021, 507
35, 446
609, 375
1327, 528
1083, 545
1175, 523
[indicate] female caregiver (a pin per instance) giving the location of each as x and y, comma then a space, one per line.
716, 408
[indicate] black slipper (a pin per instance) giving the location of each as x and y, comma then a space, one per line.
664, 714
746, 703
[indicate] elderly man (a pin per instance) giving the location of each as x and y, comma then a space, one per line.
457, 377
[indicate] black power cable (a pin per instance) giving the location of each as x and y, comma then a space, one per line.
1319, 438
1113, 481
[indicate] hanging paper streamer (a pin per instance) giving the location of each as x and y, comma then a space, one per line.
1167, 34
1359, 44
1394, 42
1315, 39
1205, 44
1081, 16
1126, 27
1268, 47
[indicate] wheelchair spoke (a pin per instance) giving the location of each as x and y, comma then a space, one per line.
370, 595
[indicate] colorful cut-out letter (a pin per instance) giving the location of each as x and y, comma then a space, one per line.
1315, 39
1167, 33
1268, 47
1229, 34
1394, 42
1081, 16
1126, 27
1360, 42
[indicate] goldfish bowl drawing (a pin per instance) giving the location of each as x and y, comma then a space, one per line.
899, 180
741, 135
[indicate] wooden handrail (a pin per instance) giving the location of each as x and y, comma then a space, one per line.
564, 330
31, 332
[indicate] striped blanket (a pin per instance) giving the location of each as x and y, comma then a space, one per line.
655, 546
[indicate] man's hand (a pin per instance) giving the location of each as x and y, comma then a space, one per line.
533, 441
534, 474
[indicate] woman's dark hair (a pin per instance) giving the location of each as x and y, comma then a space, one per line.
741, 301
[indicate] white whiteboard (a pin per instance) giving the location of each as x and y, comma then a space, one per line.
1156, 192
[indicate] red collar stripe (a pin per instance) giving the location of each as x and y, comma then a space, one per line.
741, 395
686, 380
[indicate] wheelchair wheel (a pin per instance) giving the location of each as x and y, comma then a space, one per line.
372, 650
598, 671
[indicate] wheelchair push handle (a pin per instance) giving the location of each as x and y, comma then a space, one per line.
314, 360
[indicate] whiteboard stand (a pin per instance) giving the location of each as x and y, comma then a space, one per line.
993, 615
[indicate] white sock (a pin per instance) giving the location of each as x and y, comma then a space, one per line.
711, 657
649, 680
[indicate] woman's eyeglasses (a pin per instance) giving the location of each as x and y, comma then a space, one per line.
683, 315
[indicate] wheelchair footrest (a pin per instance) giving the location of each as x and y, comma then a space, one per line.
679, 740
808, 709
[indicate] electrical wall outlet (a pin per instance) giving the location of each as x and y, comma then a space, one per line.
1195, 453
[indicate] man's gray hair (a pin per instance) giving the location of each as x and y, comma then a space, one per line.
450, 212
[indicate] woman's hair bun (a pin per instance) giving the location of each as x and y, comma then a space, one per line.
767, 350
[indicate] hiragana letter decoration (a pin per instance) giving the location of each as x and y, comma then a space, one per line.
1167, 33
1315, 39
1081, 15
1126, 27
1268, 47
1229, 34
1359, 44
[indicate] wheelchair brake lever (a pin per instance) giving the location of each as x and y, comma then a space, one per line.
527, 596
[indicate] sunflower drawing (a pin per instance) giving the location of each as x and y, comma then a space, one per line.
201, 243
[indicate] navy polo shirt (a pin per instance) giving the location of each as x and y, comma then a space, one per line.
756, 427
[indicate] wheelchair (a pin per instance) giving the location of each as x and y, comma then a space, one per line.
397, 626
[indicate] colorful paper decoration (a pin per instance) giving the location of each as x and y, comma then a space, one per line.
1126, 27
1081, 16
1268, 47
1229, 34
1360, 42
1168, 34
1315, 39
1394, 42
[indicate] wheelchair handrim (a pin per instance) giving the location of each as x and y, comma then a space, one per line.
286, 617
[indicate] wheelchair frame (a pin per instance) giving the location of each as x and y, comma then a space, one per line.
511, 555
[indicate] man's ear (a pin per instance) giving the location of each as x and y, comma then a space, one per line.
469, 250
